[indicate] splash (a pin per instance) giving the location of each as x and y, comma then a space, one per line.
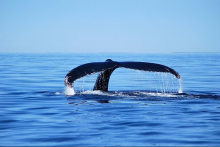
180, 89
68, 91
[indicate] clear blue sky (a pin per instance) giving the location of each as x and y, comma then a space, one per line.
141, 26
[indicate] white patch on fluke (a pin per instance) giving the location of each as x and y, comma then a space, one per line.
68, 91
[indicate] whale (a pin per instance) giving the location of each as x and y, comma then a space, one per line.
107, 68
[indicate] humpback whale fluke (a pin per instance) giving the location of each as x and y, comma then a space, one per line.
106, 68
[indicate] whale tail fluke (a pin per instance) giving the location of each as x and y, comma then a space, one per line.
106, 68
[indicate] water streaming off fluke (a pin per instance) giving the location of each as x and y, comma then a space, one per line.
133, 80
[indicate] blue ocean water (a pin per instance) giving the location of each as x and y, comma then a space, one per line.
142, 108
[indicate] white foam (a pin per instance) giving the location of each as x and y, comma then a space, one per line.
158, 94
92, 92
68, 91
58, 93
97, 92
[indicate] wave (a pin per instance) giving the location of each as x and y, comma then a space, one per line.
143, 94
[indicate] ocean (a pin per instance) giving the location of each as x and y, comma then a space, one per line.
141, 108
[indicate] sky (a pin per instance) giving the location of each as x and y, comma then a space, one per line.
91, 26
